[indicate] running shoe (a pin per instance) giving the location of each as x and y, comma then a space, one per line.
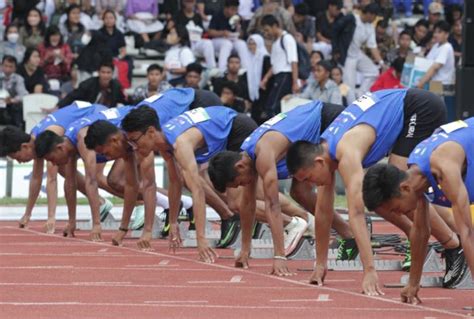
138, 218
230, 229
166, 226
347, 249
190, 214
293, 233
104, 209
407, 261
310, 231
456, 266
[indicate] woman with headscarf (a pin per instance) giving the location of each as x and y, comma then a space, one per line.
260, 61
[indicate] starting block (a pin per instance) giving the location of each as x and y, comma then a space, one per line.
433, 262
305, 250
109, 223
263, 232
190, 240
157, 226
261, 249
466, 282
356, 265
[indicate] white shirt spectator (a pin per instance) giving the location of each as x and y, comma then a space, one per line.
364, 33
245, 9
178, 57
444, 55
280, 58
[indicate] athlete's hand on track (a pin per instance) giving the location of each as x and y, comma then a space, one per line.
242, 260
24, 220
144, 243
206, 253
96, 233
280, 268
69, 230
174, 238
370, 284
318, 275
409, 294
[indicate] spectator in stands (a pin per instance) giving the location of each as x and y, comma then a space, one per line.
315, 57
33, 75
156, 84
142, 18
284, 70
442, 54
92, 54
435, 14
274, 8
323, 88
385, 42
259, 59
32, 32
403, 49
224, 30
11, 44
191, 20
102, 89
21, 8
232, 75
456, 40
407, 7
69, 86
357, 60
390, 79
454, 13
116, 6
73, 30
229, 97
56, 56
178, 56
193, 77
420, 31
348, 95
324, 27
305, 26
114, 38
209, 8
11, 111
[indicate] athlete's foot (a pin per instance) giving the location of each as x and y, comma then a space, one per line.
347, 249
50, 226
24, 220
242, 260
144, 243
117, 240
319, 273
407, 261
96, 233
69, 230
293, 233
105, 208
456, 266
166, 226
229, 231
139, 218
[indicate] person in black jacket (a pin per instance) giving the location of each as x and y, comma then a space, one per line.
102, 89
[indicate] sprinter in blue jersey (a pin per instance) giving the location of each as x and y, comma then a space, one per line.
441, 171
263, 156
387, 122
20, 146
186, 141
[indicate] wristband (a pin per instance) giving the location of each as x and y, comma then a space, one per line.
123, 229
280, 257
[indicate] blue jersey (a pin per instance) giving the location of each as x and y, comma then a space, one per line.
461, 132
66, 115
214, 123
382, 110
170, 103
301, 123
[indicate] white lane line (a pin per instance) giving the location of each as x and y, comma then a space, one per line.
236, 279
74, 255
406, 307
430, 298
101, 283
126, 268
233, 280
164, 262
176, 301
39, 267
321, 297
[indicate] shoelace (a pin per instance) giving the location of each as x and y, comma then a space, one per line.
341, 249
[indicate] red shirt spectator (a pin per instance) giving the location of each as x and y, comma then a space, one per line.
390, 79
56, 56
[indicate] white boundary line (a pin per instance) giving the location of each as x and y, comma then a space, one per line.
405, 306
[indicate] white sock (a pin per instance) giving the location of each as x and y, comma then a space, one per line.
162, 200
187, 201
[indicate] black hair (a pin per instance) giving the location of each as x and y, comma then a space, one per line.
443, 26
231, 86
52, 30
109, 11
382, 24
269, 20
338, 68
321, 55
398, 64
231, 3
11, 138
183, 34
140, 119
106, 62
325, 64
11, 25
221, 169
337, 3
371, 8
233, 56
154, 67
301, 155
41, 25
381, 183
45, 143
302, 9
9, 58
422, 22
194, 67
98, 133
28, 54
404, 32
67, 22
427, 39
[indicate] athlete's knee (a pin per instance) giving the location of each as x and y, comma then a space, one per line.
113, 181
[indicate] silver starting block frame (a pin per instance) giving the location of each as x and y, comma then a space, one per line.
189, 236
264, 233
466, 282
109, 223
157, 226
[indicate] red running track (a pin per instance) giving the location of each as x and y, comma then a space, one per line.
48, 276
